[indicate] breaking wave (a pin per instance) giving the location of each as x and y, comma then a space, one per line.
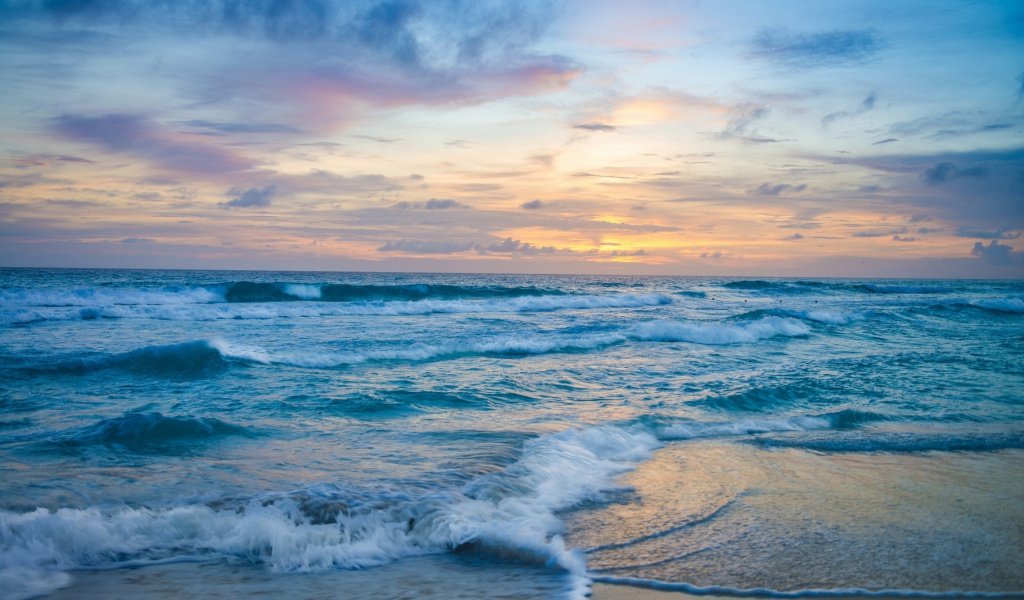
720, 333
510, 513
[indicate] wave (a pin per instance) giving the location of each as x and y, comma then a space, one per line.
753, 284
248, 292
274, 310
210, 357
510, 513
826, 317
200, 358
169, 295
688, 430
148, 431
719, 333
900, 442
418, 351
1013, 305
876, 288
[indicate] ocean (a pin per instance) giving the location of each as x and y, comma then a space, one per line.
168, 434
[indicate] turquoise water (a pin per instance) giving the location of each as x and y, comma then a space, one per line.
689, 433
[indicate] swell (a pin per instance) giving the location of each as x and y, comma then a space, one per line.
144, 432
189, 360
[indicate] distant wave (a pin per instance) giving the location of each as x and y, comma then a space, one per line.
168, 295
753, 284
876, 288
247, 292
273, 310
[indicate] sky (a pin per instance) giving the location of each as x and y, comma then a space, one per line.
787, 138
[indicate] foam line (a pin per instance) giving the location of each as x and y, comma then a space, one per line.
768, 593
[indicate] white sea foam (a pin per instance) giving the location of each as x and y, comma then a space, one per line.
720, 590
100, 297
720, 333
306, 292
510, 512
696, 429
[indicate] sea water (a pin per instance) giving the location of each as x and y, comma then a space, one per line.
408, 435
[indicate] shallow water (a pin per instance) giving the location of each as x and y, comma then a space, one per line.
708, 433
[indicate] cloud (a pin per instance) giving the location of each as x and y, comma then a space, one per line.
316, 61
793, 238
885, 141
250, 198
944, 171
508, 245
769, 189
640, 252
241, 127
742, 121
135, 136
432, 204
505, 246
793, 50
712, 255
379, 140
995, 253
873, 233
427, 247
137, 240
595, 127
897, 238
1000, 234
866, 105
981, 189
44, 160
532, 205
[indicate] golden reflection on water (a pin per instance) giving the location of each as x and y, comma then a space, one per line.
720, 513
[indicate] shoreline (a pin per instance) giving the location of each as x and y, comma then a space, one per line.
209, 580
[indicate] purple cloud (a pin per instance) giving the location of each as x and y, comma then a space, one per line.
250, 198
135, 135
